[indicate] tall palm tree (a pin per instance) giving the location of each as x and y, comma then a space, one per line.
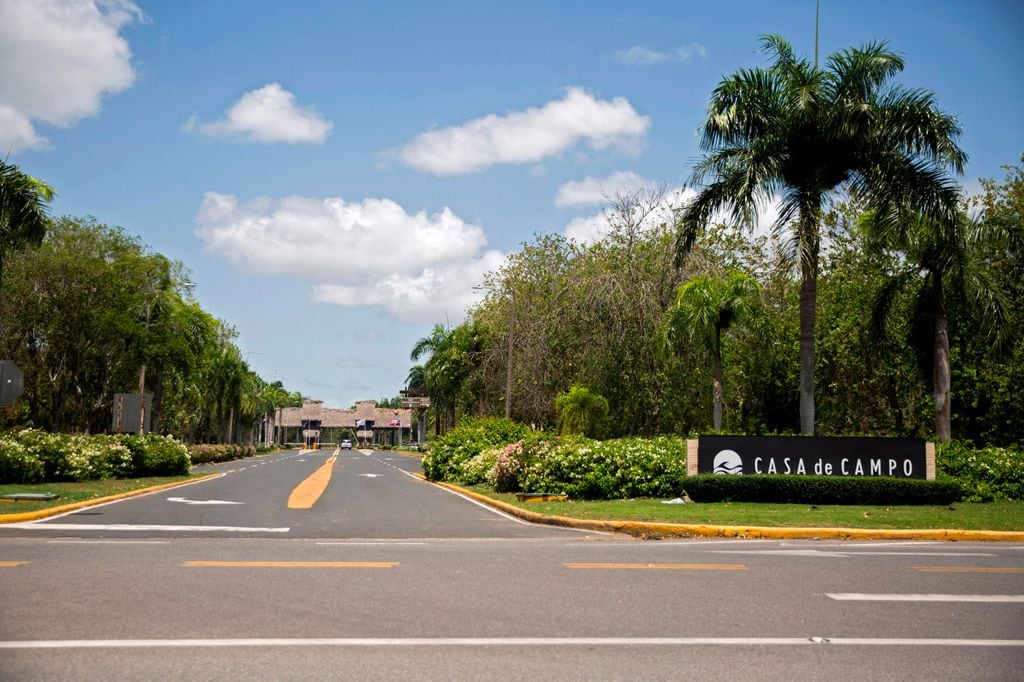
454, 354
23, 216
704, 310
796, 132
433, 348
939, 261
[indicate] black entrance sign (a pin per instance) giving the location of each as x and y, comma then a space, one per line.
800, 456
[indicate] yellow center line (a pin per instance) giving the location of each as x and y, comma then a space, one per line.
309, 491
13, 564
291, 564
678, 567
964, 569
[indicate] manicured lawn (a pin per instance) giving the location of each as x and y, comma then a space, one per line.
76, 492
961, 515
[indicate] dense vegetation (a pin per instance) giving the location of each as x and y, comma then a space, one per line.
512, 458
598, 315
33, 456
90, 312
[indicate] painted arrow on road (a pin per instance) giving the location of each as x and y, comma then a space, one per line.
187, 501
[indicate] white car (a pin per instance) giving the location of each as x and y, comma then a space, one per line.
346, 444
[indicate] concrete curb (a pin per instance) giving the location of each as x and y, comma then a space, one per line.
648, 530
63, 509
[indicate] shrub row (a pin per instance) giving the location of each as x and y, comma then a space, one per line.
205, 454
873, 490
450, 452
587, 469
32, 456
985, 474
511, 457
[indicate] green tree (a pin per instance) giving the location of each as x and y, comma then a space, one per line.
705, 309
581, 411
800, 132
942, 262
454, 354
23, 219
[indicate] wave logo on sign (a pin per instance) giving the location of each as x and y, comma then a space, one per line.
728, 462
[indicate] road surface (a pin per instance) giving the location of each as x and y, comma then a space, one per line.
385, 576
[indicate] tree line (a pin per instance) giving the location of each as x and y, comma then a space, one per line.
880, 301
87, 311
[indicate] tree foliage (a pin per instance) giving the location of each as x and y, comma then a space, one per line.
796, 133
83, 310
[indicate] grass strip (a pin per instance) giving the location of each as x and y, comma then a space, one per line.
70, 493
1002, 516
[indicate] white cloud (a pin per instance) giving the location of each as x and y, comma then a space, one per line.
57, 60
640, 55
593, 228
267, 114
417, 267
592, 191
526, 137
430, 295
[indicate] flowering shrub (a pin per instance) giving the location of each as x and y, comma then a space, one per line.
509, 464
31, 456
614, 469
164, 456
17, 464
451, 451
984, 474
476, 469
204, 454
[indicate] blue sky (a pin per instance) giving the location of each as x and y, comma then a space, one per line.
338, 175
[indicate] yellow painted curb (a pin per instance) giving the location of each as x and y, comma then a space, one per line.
647, 529
54, 511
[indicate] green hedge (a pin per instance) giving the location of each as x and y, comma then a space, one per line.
613, 469
449, 453
986, 474
32, 456
873, 490
206, 454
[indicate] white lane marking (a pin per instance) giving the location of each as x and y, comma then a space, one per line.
982, 598
36, 525
366, 452
840, 554
783, 552
382, 543
921, 554
370, 475
184, 500
107, 542
499, 642
901, 543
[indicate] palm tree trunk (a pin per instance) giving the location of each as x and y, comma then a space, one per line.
716, 378
940, 368
808, 304
716, 384
809, 242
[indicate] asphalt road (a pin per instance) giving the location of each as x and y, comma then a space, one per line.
389, 577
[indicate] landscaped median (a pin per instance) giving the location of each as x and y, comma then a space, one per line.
652, 519
622, 485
